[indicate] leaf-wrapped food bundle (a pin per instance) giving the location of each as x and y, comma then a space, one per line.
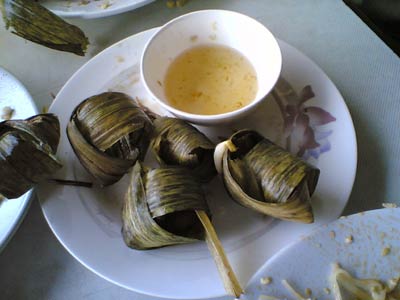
27, 153
160, 208
263, 176
166, 206
176, 142
33, 22
108, 133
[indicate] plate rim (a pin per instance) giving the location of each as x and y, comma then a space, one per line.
309, 61
100, 13
28, 196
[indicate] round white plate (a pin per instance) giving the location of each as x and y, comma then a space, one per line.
14, 95
90, 9
308, 263
88, 222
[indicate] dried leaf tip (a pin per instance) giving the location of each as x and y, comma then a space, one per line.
31, 21
219, 152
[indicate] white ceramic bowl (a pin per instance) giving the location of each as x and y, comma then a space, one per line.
220, 27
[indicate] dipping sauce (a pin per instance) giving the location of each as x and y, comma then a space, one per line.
210, 80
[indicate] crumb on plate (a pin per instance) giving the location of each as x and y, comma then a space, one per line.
349, 239
385, 251
265, 280
7, 113
308, 292
106, 4
120, 59
212, 37
389, 205
392, 284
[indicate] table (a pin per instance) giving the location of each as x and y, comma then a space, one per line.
35, 266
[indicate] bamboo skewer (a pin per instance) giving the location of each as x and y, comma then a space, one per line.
231, 284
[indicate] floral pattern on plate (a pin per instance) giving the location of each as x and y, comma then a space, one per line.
301, 123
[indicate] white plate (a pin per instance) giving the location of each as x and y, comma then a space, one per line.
13, 94
308, 263
87, 221
90, 9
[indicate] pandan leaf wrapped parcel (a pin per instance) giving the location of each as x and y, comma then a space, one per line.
27, 153
109, 133
167, 206
265, 177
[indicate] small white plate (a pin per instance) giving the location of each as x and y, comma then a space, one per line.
90, 9
88, 223
308, 263
14, 95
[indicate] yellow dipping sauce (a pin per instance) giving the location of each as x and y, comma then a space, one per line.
210, 80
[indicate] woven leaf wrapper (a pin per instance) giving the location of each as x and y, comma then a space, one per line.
160, 207
166, 206
30, 20
109, 133
27, 153
178, 143
263, 176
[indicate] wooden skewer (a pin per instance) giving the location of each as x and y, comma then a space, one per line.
231, 284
